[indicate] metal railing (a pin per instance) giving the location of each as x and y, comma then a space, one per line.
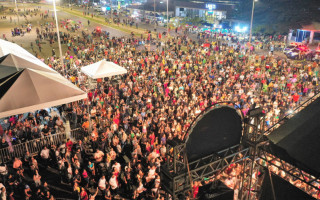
77, 134
35, 146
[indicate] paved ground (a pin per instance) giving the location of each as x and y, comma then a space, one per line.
77, 16
25, 41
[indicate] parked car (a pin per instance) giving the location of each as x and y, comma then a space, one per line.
300, 53
294, 45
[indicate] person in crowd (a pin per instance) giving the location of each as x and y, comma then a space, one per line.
4, 143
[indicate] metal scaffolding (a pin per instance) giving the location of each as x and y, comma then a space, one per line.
177, 174
177, 178
252, 138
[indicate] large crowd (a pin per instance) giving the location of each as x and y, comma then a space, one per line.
131, 117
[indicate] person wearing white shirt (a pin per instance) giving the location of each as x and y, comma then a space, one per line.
69, 171
117, 167
113, 184
45, 153
151, 173
156, 188
140, 189
102, 183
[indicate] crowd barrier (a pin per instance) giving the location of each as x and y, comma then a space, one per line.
35, 146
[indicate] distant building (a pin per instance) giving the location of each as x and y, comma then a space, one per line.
307, 33
148, 7
211, 12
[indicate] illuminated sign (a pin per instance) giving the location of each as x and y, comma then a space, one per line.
211, 6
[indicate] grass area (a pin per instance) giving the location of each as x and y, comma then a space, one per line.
25, 41
101, 20
36, 21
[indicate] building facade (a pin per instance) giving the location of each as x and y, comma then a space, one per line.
211, 12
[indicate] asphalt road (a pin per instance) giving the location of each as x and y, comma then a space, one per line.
25, 41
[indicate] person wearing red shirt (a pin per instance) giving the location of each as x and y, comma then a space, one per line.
152, 138
69, 144
195, 188
90, 95
295, 97
116, 121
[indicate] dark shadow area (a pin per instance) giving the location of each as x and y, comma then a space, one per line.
219, 128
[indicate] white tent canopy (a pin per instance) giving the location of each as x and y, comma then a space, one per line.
103, 69
12, 63
20, 57
30, 90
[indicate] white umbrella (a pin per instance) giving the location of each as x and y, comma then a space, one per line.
12, 63
16, 56
103, 69
29, 89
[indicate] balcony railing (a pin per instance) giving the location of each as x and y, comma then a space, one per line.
35, 146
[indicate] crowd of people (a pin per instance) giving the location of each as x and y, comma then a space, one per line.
131, 117
295, 177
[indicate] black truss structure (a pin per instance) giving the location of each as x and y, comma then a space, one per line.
177, 182
268, 160
177, 174
253, 137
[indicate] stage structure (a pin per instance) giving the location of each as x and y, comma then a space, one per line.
293, 135
254, 150
273, 187
213, 143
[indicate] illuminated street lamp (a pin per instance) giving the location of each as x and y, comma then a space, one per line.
58, 34
250, 35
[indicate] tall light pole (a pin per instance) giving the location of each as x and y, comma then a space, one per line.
168, 16
111, 10
58, 34
250, 35
15, 2
154, 12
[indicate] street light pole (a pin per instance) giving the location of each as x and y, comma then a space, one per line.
168, 16
154, 12
111, 10
250, 36
15, 1
58, 34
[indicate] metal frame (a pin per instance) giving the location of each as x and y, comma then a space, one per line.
290, 170
179, 183
35, 145
253, 138
175, 161
177, 174
295, 111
